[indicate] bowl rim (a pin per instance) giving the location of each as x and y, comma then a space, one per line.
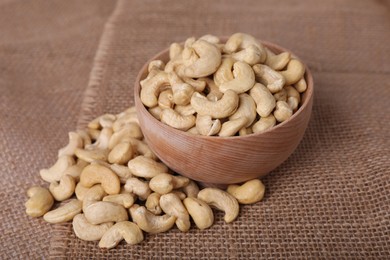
309, 90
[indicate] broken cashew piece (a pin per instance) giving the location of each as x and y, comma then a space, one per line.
200, 212
55, 172
222, 201
269, 77
176, 120
145, 167
40, 201
205, 125
75, 140
64, 213
248, 193
244, 79
172, 205
64, 189
87, 231
96, 173
224, 107
126, 230
149, 222
105, 211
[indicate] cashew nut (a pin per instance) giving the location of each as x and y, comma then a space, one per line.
92, 195
181, 195
269, 77
142, 148
138, 187
40, 201
171, 204
102, 141
222, 201
185, 110
205, 125
64, 189
104, 211
264, 123
294, 72
191, 189
87, 231
164, 183
64, 213
128, 132
213, 92
156, 65
121, 153
193, 130
145, 167
75, 140
149, 222
75, 170
208, 62
301, 85
93, 134
224, 107
210, 38
293, 97
107, 120
244, 79
124, 199
91, 155
151, 88
125, 118
282, 111
245, 131
239, 41
225, 71
246, 109
263, 98
182, 93
156, 112
80, 191
200, 212
281, 95
175, 51
231, 127
96, 173
197, 84
165, 99
55, 172
122, 171
153, 203
176, 120
277, 62
248, 193
126, 230
84, 136
250, 55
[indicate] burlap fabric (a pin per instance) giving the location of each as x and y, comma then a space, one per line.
329, 200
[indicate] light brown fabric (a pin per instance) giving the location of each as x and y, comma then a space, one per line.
329, 200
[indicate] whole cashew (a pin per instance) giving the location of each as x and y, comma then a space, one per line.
281, 95
127, 132
92, 195
213, 91
171, 204
93, 134
64, 189
269, 77
197, 84
246, 109
277, 62
145, 167
121, 153
84, 136
149, 222
107, 120
200, 212
153, 203
75, 140
231, 127
138, 187
95, 173
55, 172
245, 131
125, 199
250, 55
102, 141
165, 99
250, 192
176, 120
185, 110
126, 230
293, 97
282, 111
151, 88
156, 112
91, 155
75, 170
301, 85
225, 71
80, 191
205, 125
164, 183
124, 119
64, 213
87, 231
208, 62
263, 98
104, 211
122, 171
40, 201
294, 72
244, 79
210, 38
224, 107
264, 123
182, 93
240, 41
222, 201
156, 65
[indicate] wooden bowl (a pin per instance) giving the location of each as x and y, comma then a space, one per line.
224, 160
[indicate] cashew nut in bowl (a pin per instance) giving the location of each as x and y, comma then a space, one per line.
172, 205
213, 92
152, 87
293, 97
149, 222
244, 79
231, 127
281, 95
225, 71
145, 167
156, 112
240, 41
277, 62
185, 110
156, 65
210, 38
246, 109
64, 189
264, 124
301, 85
263, 98
248, 193
282, 111
126, 230
165, 99
250, 55
205, 125
176, 120
55, 172
200, 212
175, 50
95, 173
104, 211
182, 93
269, 77
294, 72
64, 213
40, 201
222, 201
87, 231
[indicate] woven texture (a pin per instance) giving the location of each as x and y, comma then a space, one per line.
329, 200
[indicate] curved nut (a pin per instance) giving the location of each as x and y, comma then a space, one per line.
197, 84
293, 97
87, 231
84, 136
248, 193
282, 111
64, 189
191, 189
93, 134
182, 93
102, 141
244, 79
122, 171
121, 153
185, 110
155, 112
138, 187
245, 131
150, 88
205, 125
208, 62
213, 92
128, 132
124, 119
294, 72
64, 213
125, 199
240, 41
80, 191
149, 222
107, 120
142, 148
224, 107
225, 71
301, 85
104, 211
210, 38
175, 50
250, 55
165, 99
126, 230
164, 183
91, 155
181, 195
246, 109
231, 127
269, 77
281, 95
156, 65
171, 204
263, 98
222, 201
75, 170
55, 172
95, 173
264, 123
40, 201
145, 167
193, 131
200, 212
92, 195
277, 62
176, 120
75, 140
153, 203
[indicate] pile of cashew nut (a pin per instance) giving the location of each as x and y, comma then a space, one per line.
112, 187
210, 88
